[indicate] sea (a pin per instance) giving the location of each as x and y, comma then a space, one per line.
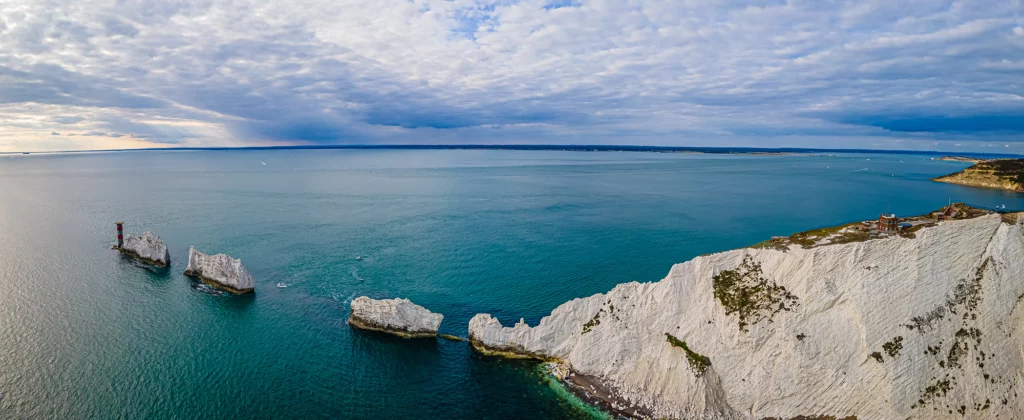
88, 333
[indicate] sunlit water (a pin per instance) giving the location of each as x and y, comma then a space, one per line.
86, 333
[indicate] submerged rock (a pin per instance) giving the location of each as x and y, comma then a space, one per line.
395, 316
148, 248
220, 271
929, 327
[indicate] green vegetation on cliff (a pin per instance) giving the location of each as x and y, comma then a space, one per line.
698, 363
745, 292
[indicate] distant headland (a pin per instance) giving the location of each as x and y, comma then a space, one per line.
1003, 174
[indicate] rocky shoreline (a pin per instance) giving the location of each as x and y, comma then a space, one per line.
596, 392
591, 389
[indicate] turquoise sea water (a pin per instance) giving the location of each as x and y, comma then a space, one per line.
86, 333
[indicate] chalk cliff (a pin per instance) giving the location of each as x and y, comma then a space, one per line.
925, 327
220, 271
395, 316
1003, 174
148, 248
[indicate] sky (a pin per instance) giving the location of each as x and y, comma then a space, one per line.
878, 74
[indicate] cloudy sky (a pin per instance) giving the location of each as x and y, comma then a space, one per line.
914, 74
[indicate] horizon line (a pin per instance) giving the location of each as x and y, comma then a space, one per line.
543, 147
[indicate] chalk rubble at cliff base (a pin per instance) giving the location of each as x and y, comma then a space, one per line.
394, 316
148, 248
925, 327
220, 271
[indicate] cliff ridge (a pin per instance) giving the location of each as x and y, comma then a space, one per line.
896, 327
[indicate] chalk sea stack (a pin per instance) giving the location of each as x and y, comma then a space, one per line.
400, 317
926, 327
220, 271
148, 248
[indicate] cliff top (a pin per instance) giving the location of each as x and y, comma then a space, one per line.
868, 229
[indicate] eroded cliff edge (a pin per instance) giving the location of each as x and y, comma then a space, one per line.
1003, 174
925, 327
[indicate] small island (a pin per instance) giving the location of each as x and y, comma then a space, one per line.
220, 271
148, 248
400, 317
1003, 174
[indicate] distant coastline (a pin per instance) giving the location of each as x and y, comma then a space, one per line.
761, 151
963, 159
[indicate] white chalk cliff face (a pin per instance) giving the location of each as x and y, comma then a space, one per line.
220, 271
396, 316
147, 247
891, 328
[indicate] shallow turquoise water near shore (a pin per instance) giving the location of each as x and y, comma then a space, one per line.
85, 333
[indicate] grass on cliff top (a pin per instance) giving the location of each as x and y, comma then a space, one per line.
836, 235
810, 238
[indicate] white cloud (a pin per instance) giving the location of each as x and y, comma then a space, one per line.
210, 72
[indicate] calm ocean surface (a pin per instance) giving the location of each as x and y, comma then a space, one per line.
86, 333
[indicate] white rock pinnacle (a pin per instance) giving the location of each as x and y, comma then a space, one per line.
220, 271
147, 247
396, 316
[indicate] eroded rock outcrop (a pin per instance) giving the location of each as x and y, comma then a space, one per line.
395, 316
928, 327
148, 248
220, 271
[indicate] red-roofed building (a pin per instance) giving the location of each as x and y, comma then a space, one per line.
888, 222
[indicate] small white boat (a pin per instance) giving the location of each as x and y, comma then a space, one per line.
264, 163
359, 258
282, 285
